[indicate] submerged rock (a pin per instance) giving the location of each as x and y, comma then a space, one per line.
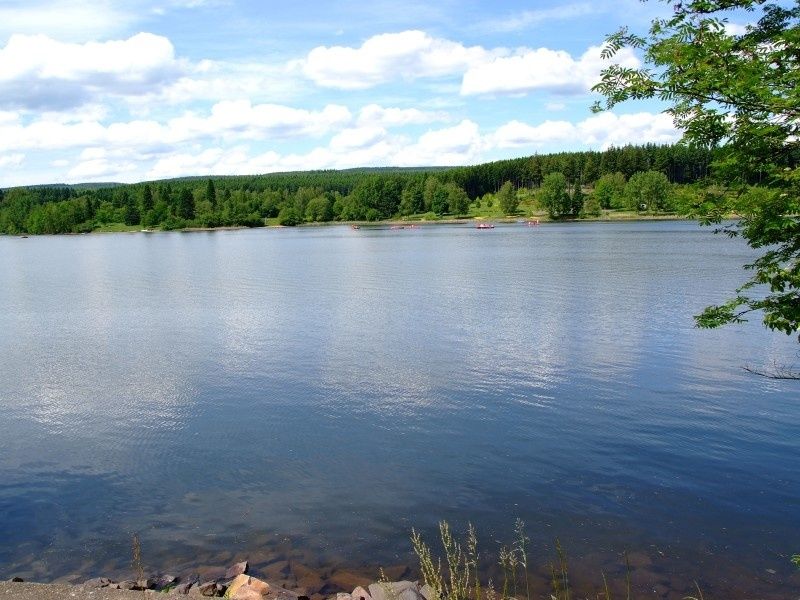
239, 568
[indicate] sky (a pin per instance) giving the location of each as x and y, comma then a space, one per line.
151, 89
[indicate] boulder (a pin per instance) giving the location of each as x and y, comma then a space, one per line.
246, 592
16, 580
127, 585
97, 582
239, 568
164, 581
183, 588
399, 590
261, 587
360, 594
347, 580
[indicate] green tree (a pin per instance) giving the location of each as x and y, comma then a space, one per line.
647, 191
553, 196
211, 193
507, 198
591, 206
737, 91
186, 204
457, 199
609, 190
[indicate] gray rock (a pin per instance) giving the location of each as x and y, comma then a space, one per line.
183, 588
127, 585
399, 590
97, 582
238, 569
427, 592
209, 588
144, 584
163, 581
343, 596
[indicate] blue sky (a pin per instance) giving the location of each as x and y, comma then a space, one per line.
147, 89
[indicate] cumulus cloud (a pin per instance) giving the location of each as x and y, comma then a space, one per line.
461, 144
540, 69
37, 72
226, 120
387, 57
11, 160
373, 114
598, 131
75, 20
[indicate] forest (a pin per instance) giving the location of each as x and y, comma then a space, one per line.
647, 178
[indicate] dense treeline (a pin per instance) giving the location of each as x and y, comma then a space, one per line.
363, 194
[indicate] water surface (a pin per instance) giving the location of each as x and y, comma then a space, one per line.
326, 388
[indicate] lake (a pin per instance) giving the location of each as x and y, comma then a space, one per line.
315, 393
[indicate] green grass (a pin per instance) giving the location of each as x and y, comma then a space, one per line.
117, 228
455, 576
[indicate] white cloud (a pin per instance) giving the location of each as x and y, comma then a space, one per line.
357, 138
373, 114
461, 144
735, 29
599, 131
227, 120
531, 18
11, 160
37, 72
540, 69
75, 20
388, 57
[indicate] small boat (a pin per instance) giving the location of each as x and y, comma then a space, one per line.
484, 226
396, 227
354, 227
532, 223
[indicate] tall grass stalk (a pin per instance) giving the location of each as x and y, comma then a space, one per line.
520, 548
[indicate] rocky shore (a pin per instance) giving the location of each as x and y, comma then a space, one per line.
234, 582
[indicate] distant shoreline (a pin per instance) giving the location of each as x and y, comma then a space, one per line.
608, 217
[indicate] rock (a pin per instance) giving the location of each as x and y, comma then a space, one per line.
343, 596
245, 592
427, 592
261, 587
16, 580
307, 578
638, 560
360, 594
208, 589
400, 590
347, 580
97, 582
277, 570
303, 598
145, 584
183, 588
164, 581
238, 569
396, 572
127, 585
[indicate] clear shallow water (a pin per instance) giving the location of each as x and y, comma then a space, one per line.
218, 391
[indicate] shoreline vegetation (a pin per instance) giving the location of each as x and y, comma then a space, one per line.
632, 182
454, 568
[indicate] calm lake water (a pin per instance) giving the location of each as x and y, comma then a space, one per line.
315, 393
